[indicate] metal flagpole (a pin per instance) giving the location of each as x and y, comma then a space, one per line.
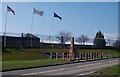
52, 30
32, 29
5, 29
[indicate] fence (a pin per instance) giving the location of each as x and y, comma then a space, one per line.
48, 39
84, 56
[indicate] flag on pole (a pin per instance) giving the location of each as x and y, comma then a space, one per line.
9, 9
55, 15
38, 12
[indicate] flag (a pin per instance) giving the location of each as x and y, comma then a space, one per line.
38, 12
10, 10
55, 15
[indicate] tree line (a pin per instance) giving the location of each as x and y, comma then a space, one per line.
99, 40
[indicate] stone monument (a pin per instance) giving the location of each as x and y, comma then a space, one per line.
71, 50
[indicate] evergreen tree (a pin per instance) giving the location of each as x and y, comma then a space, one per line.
99, 41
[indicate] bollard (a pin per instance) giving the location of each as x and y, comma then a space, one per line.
107, 55
50, 55
96, 55
101, 55
92, 55
89, 55
86, 56
79, 55
73, 56
67, 55
70, 56
56, 56
63, 56
83, 55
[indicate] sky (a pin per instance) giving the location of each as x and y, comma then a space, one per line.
60, 0
77, 17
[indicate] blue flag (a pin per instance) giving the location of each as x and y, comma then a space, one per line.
57, 16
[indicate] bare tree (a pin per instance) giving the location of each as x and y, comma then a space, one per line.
117, 42
82, 39
63, 36
79, 40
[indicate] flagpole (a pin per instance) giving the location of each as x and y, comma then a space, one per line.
32, 28
5, 29
52, 29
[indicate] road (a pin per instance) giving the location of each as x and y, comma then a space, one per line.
81, 68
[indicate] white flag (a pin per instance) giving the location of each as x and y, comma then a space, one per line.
35, 11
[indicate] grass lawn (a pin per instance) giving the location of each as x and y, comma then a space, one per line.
113, 70
6, 65
22, 58
26, 54
33, 54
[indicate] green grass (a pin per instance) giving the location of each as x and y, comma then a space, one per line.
22, 58
113, 70
30, 63
100, 50
22, 54
36, 54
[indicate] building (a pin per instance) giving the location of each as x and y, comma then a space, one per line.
25, 41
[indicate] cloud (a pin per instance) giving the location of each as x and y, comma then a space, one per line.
112, 36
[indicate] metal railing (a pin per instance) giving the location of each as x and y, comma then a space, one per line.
53, 39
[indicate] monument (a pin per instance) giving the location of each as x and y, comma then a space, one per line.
71, 50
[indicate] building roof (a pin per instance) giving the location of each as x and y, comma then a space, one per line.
30, 35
